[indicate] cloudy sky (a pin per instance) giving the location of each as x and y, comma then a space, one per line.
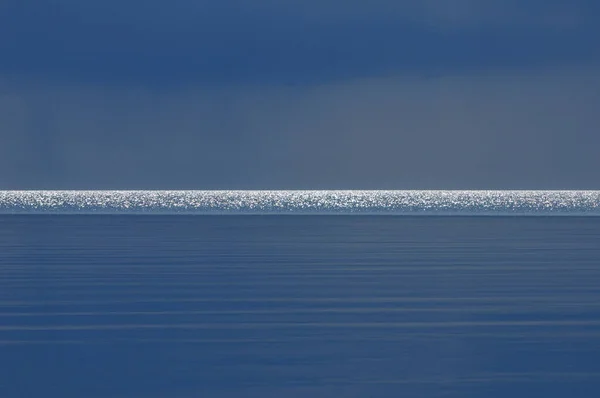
284, 94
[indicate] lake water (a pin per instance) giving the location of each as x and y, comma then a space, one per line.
294, 306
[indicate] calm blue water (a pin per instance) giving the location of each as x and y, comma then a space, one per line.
294, 306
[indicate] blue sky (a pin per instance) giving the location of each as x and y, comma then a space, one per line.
299, 94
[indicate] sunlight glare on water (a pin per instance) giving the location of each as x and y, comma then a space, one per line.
304, 202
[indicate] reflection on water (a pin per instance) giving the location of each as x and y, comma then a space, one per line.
231, 306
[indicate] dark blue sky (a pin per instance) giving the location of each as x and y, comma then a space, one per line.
299, 94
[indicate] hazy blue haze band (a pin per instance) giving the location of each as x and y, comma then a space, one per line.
303, 202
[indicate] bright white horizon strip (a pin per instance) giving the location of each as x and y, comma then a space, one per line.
425, 202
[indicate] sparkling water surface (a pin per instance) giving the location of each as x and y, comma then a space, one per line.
304, 202
273, 306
